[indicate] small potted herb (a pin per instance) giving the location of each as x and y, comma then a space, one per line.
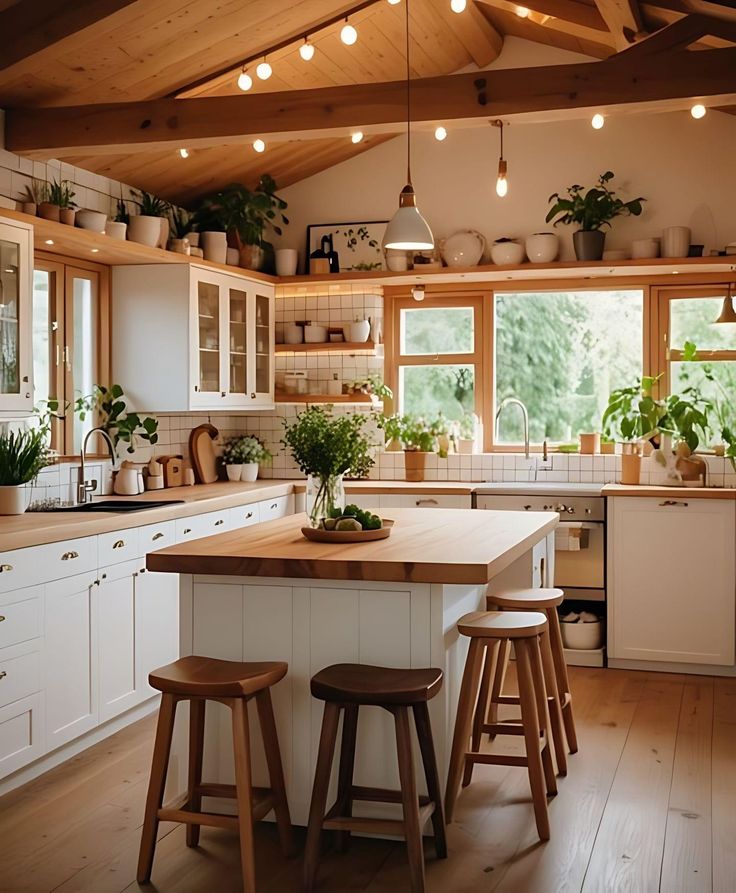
631, 417
37, 192
466, 426
418, 438
591, 209
179, 228
150, 226
22, 455
117, 228
241, 457
62, 195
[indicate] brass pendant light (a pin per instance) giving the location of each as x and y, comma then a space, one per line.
728, 314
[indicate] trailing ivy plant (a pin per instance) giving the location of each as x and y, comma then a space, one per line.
121, 424
592, 208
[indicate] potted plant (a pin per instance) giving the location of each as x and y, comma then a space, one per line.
466, 433
418, 438
118, 422
631, 417
37, 192
244, 216
326, 447
391, 426
150, 226
118, 226
591, 209
686, 422
22, 456
242, 455
48, 207
442, 430
62, 195
179, 228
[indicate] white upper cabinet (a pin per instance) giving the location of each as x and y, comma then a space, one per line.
187, 338
16, 318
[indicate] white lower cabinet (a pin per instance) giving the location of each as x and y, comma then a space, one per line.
156, 625
116, 616
21, 733
672, 580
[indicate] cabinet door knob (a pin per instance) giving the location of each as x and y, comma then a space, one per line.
156, 536
252, 395
5, 568
248, 515
68, 556
119, 544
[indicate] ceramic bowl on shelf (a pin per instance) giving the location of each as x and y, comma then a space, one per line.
315, 334
463, 249
507, 252
293, 334
542, 248
92, 220
615, 254
644, 248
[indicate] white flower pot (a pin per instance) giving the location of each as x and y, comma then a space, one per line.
116, 229
507, 253
286, 261
14, 500
234, 472
232, 256
250, 472
542, 248
144, 230
214, 246
85, 218
675, 241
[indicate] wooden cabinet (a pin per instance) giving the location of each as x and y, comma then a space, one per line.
16, 318
672, 580
186, 338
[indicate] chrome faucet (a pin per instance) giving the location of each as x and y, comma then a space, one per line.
85, 488
514, 401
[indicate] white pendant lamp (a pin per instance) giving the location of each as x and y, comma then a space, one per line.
408, 230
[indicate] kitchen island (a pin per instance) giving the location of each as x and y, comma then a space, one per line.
266, 593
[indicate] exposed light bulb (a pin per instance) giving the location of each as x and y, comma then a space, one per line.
259, 145
357, 137
502, 184
440, 133
597, 121
348, 35
184, 153
306, 50
264, 71
458, 5
698, 110
245, 81
522, 12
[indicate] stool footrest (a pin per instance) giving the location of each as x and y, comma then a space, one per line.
507, 699
394, 827
381, 795
212, 819
212, 789
496, 759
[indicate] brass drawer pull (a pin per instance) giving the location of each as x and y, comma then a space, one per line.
248, 515
219, 523
119, 544
2, 618
426, 502
187, 530
4, 568
68, 556
673, 502
3, 674
156, 536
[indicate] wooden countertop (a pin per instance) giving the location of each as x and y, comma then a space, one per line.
669, 492
452, 546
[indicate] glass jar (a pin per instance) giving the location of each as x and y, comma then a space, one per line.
323, 495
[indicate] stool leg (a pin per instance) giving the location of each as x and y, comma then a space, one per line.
196, 748
409, 799
563, 683
540, 693
156, 784
275, 770
482, 706
345, 773
553, 694
530, 725
241, 747
463, 720
426, 746
327, 739
499, 677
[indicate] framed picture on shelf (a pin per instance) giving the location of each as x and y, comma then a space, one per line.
357, 245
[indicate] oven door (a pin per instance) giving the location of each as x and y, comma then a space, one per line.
580, 559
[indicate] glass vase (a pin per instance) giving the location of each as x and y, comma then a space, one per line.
323, 495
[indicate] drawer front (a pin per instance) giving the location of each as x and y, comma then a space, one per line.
198, 526
424, 501
41, 564
245, 516
21, 734
118, 546
20, 616
156, 536
278, 507
20, 675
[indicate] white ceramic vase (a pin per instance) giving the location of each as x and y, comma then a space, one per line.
359, 331
286, 261
144, 230
397, 260
507, 253
675, 241
14, 500
234, 472
463, 249
542, 248
214, 246
249, 472
233, 257
115, 229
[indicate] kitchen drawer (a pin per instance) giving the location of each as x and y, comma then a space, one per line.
370, 501
41, 564
21, 734
156, 536
118, 546
278, 507
424, 500
20, 616
245, 515
20, 673
198, 526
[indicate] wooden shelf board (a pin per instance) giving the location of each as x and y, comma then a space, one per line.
328, 347
323, 398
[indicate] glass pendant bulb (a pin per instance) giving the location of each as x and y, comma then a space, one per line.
348, 35
440, 134
306, 50
458, 5
245, 81
264, 71
698, 110
502, 184
259, 145
597, 121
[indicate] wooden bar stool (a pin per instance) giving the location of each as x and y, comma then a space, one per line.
197, 680
487, 630
346, 688
547, 601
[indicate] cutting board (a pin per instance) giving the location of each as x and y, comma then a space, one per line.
202, 453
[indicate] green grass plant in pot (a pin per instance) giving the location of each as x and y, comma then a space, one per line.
633, 415
591, 210
242, 457
418, 437
326, 447
22, 455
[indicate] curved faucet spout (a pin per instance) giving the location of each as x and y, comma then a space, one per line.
85, 488
514, 401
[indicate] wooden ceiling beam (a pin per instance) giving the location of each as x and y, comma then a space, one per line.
31, 26
566, 16
162, 123
624, 20
587, 17
680, 34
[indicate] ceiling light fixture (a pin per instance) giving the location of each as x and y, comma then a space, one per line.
184, 153
458, 5
502, 184
306, 50
440, 133
259, 145
49, 242
728, 314
408, 230
597, 121
394, 2
522, 12
348, 35
418, 292
357, 137
245, 81
698, 110
264, 70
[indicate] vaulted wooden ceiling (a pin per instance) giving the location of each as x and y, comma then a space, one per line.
101, 51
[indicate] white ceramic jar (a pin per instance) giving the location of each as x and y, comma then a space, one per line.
214, 246
293, 334
358, 331
286, 261
542, 248
507, 253
116, 229
675, 241
144, 230
463, 249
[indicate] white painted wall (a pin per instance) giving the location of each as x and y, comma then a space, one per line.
683, 167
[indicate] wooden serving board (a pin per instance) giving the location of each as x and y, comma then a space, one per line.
202, 453
348, 536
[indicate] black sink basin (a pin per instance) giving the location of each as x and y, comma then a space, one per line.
118, 505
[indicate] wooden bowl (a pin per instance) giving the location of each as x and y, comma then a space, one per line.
348, 536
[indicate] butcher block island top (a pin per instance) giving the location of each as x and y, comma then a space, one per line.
459, 546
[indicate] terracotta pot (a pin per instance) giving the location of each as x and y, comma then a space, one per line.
251, 257
14, 500
47, 211
67, 215
29, 208
590, 444
415, 462
607, 448
693, 470
630, 469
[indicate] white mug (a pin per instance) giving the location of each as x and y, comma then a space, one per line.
286, 261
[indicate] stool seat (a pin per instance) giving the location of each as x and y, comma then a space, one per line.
502, 624
527, 599
208, 677
376, 686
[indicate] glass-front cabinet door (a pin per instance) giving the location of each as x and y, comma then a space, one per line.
209, 387
238, 336
261, 360
16, 360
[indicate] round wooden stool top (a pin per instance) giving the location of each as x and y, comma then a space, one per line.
363, 684
502, 624
208, 677
528, 599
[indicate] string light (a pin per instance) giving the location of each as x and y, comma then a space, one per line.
348, 35
357, 137
597, 121
458, 5
245, 81
259, 145
184, 153
264, 71
502, 183
522, 12
306, 50
698, 110
440, 133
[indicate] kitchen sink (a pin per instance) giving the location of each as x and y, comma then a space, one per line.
118, 505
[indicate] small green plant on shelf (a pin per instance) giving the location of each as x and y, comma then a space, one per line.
594, 208
62, 194
37, 191
122, 214
244, 450
122, 425
181, 222
415, 433
22, 455
372, 385
721, 411
150, 205
244, 213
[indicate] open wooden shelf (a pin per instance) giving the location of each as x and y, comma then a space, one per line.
328, 346
281, 397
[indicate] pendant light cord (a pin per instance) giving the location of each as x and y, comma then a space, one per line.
408, 99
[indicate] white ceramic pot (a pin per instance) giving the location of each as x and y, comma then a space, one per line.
397, 260
315, 334
675, 241
359, 332
293, 334
234, 472
286, 261
582, 636
644, 248
193, 239
542, 248
164, 233
116, 229
144, 230
214, 246
94, 220
463, 249
179, 246
14, 500
507, 253
232, 257
250, 472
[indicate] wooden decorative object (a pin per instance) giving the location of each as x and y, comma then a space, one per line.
202, 453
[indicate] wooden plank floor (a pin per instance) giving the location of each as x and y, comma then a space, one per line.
649, 804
